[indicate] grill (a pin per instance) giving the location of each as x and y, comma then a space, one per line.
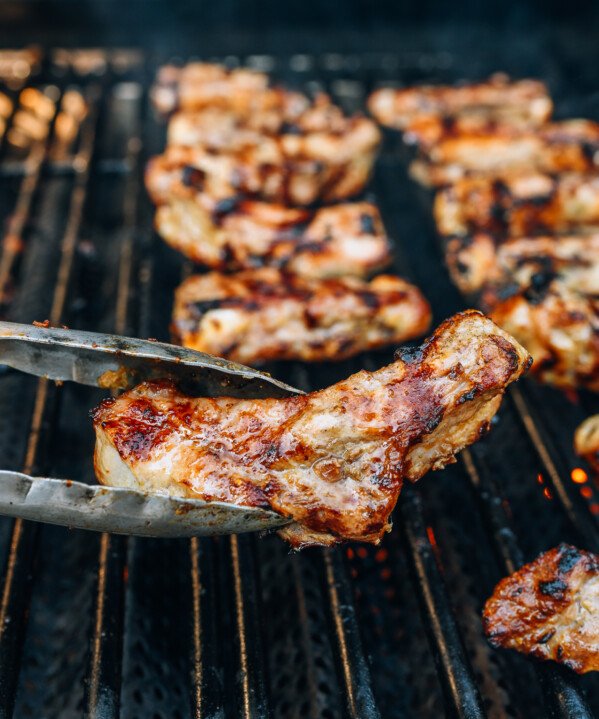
102, 626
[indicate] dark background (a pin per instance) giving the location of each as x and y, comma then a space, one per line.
293, 25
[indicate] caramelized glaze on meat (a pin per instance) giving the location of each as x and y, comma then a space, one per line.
265, 314
512, 263
288, 168
518, 205
550, 609
558, 326
566, 146
345, 239
334, 460
521, 102
586, 441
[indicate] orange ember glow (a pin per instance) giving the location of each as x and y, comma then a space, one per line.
579, 475
431, 536
586, 492
595, 508
540, 478
547, 494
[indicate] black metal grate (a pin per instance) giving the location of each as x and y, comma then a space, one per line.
237, 627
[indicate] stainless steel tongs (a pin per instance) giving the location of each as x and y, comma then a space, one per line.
113, 362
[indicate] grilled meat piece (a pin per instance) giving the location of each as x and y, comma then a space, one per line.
518, 205
198, 85
333, 461
586, 441
520, 102
221, 129
483, 259
558, 326
346, 239
265, 314
292, 169
549, 609
567, 146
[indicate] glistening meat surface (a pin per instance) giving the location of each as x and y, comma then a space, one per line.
332, 461
550, 609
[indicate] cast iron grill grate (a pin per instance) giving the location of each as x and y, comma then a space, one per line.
237, 627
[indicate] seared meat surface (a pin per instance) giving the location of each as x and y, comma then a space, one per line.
550, 609
217, 128
518, 205
586, 441
520, 102
558, 326
511, 263
566, 146
345, 239
288, 168
266, 314
199, 85
333, 461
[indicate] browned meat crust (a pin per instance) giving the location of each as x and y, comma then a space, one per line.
198, 85
550, 609
567, 146
558, 326
346, 239
511, 263
287, 168
265, 314
333, 460
518, 205
521, 102
586, 441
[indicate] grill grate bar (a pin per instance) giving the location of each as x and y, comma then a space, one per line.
452, 661
560, 688
20, 561
353, 665
102, 698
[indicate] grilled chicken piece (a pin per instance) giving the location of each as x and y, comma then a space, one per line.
333, 461
266, 314
198, 85
586, 441
568, 146
521, 102
550, 609
288, 168
558, 326
221, 129
518, 205
346, 239
483, 259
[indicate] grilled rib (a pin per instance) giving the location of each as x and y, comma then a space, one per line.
558, 326
198, 85
333, 461
567, 146
288, 168
483, 259
586, 441
550, 609
518, 205
496, 99
265, 314
346, 239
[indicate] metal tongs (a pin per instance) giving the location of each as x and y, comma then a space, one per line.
113, 362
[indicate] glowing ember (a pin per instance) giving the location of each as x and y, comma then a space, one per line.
547, 494
579, 475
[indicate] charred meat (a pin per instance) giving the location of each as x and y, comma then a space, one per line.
345, 239
519, 102
289, 168
332, 461
518, 205
266, 314
567, 146
550, 609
